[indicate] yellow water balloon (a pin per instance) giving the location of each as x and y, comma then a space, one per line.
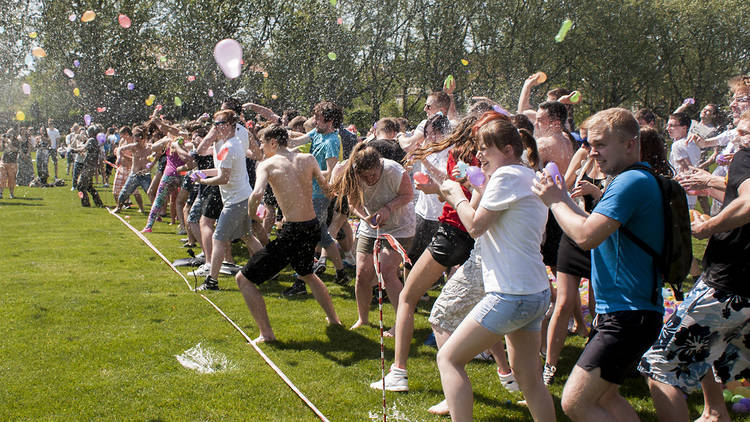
32, 34
150, 100
464, 62
20, 116
76, 92
88, 16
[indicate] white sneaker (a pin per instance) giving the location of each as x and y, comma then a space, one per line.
508, 381
396, 380
202, 271
486, 356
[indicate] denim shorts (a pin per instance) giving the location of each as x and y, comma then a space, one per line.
504, 313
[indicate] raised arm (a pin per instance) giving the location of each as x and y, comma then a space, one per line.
266, 112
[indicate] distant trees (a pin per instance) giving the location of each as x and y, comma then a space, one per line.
387, 54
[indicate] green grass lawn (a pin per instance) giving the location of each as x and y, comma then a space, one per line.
92, 320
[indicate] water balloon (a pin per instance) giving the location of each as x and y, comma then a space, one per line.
564, 28
76, 63
163, 59
228, 55
101, 109
727, 395
274, 96
340, 21
178, 101
500, 110
20, 116
332, 55
72, 17
540, 77
723, 160
476, 177
736, 398
26, 88
110, 72
462, 166
80, 194
333, 2
448, 81
689, 101
38, 52
553, 171
101, 138
131, 86
190, 78
76, 92
197, 175
261, 212
87, 119
88, 16
421, 178
69, 73
158, 107
210, 92
150, 100
32, 34
222, 154
464, 62
576, 97
265, 74
124, 21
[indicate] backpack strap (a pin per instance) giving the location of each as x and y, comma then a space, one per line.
655, 257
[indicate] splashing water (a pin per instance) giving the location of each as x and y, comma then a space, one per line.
204, 361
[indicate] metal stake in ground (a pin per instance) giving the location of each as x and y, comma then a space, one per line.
376, 259
192, 255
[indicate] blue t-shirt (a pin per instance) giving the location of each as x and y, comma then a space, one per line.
621, 272
323, 147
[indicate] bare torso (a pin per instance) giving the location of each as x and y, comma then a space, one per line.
290, 175
556, 148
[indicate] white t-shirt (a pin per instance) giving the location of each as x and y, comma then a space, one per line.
511, 257
242, 134
53, 135
237, 188
682, 149
429, 206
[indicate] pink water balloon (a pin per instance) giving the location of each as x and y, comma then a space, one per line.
228, 55
110, 72
190, 78
69, 73
26, 88
124, 21
101, 109
72, 17
421, 178
222, 154
210, 92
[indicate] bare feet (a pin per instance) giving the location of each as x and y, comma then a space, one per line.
440, 408
262, 339
709, 415
358, 324
390, 333
337, 322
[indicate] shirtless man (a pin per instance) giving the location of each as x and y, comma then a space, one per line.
551, 142
290, 174
140, 174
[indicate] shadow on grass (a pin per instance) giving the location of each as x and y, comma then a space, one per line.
353, 345
3, 203
25, 198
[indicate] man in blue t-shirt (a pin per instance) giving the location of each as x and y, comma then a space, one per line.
325, 146
623, 275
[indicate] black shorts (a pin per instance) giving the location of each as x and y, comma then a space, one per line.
212, 204
618, 340
573, 260
450, 246
423, 233
294, 245
552, 235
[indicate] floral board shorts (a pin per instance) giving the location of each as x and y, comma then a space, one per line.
459, 295
710, 330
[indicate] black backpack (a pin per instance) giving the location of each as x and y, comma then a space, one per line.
674, 263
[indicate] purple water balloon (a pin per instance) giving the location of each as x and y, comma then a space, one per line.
87, 119
101, 138
131, 86
476, 177
553, 172
76, 63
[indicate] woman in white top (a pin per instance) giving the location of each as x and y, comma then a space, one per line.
508, 222
379, 193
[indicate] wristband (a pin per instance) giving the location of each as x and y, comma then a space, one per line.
459, 203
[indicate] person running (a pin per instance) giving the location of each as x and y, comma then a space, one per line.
450, 246
140, 174
290, 174
508, 221
90, 165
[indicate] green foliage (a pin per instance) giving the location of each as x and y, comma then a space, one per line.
619, 53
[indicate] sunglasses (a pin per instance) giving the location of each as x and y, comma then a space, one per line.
220, 122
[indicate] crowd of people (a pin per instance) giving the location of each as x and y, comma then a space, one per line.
470, 196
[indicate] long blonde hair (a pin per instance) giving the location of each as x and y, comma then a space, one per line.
346, 183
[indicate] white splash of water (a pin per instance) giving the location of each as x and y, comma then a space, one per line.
204, 360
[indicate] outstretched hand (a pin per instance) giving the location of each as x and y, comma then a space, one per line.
547, 190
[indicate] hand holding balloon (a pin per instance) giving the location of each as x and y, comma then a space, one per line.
475, 176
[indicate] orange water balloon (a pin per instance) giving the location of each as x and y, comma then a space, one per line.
38, 52
88, 16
